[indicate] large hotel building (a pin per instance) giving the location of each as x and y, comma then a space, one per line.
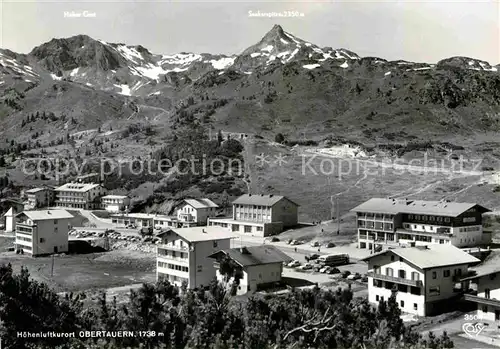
396, 222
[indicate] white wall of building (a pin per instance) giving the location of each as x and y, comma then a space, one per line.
255, 275
488, 282
412, 304
200, 268
435, 277
49, 236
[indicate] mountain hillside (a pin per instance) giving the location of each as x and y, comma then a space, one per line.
88, 99
280, 84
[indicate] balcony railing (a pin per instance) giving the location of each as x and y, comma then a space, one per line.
396, 280
425, 233
171, 258
173, 247
186, 218
482, 300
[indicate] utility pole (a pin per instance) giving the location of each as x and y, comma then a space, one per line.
106, 240
52, 267
338, 216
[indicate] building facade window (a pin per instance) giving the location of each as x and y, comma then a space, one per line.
434, 291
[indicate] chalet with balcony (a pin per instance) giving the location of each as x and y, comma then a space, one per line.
258, 265
196, 212
485, 292
183, 254
260, 215
425, 278
395, 222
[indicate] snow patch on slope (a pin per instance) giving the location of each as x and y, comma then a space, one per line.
180, 58
16, 66
268, 48
130, 53
222, 63
125, 90
311, 66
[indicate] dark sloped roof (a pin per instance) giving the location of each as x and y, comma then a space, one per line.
395, 206
255, 255
264, 200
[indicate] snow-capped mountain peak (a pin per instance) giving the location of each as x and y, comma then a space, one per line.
283, 47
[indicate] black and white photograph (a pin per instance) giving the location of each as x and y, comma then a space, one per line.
196, 174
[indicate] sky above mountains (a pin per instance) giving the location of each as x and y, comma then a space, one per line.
425, 31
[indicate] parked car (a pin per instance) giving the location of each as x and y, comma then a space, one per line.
334, 270
351, 277
306, 266
295, 242
290, 241
315, 244
312, 257
325, 269
275, 239
345, 274
330, 245
317, 268
294, 264
364, 278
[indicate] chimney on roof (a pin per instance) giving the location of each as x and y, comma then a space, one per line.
244, 250
249, 194
203, 231
271, 195
48, 212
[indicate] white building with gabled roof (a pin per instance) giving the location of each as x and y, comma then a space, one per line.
43, 232
196, 212
260, 215
426, 279
10, 220
183, 255
259, 266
